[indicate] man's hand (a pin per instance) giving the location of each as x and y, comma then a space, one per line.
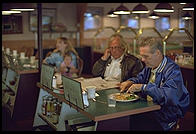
135, 88
106, 54
125, 85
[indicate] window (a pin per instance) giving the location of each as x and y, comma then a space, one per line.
163, 23
48, 18
93, 18
130, 21
183, 23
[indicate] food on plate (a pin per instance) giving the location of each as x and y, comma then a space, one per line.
124, 96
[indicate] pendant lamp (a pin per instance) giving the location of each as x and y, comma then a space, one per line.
122, 10
164, 8
186, 16
111, 13
140, 8
153, 15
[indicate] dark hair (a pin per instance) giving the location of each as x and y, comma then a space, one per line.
67, 54
153, 43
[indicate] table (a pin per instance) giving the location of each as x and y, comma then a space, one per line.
99, 111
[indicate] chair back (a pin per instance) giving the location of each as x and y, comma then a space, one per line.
80, 64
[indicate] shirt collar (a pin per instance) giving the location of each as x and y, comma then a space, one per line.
119, 59
161, 66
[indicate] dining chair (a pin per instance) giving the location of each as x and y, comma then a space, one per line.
80, 64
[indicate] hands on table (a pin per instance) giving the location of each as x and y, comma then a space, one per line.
129, 87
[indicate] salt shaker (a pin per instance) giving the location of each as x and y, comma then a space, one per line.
54, 82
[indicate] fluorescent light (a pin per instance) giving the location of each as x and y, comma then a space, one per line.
182, 3
3, 13
23, 9
121, 12
188, 7
10, 12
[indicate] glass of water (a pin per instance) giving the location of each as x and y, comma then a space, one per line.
111, 101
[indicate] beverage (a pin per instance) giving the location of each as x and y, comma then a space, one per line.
111, 101
91, 92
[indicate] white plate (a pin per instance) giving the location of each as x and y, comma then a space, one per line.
125, 94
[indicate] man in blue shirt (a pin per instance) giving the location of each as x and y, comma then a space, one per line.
161, 80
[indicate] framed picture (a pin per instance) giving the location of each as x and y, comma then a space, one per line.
163, 23
130, 21
93, 18
48, 18
12, 24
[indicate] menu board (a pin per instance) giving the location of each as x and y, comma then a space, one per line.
73, 91
47, 72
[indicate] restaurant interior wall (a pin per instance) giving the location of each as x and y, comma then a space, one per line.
66, 14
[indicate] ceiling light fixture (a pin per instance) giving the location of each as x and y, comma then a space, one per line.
140, 8
188, 7
186, 16
122, 10
111, 13
164, 8
22, 9
153, 15
9, 12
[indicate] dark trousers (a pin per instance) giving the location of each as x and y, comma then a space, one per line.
144, 122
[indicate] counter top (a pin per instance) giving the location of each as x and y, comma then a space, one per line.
99, 110
187, 66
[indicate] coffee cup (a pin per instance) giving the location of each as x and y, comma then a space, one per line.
91, 92
7, 51
22, 55
14, 52
32, 59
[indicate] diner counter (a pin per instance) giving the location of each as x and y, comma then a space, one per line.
98, 110
186, 66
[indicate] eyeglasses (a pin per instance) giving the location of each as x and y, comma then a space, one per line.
116, 47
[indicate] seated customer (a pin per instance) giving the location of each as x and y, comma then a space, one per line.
161, 80
116, 64
63, 46
66, 67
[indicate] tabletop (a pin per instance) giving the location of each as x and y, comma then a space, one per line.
98, 110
